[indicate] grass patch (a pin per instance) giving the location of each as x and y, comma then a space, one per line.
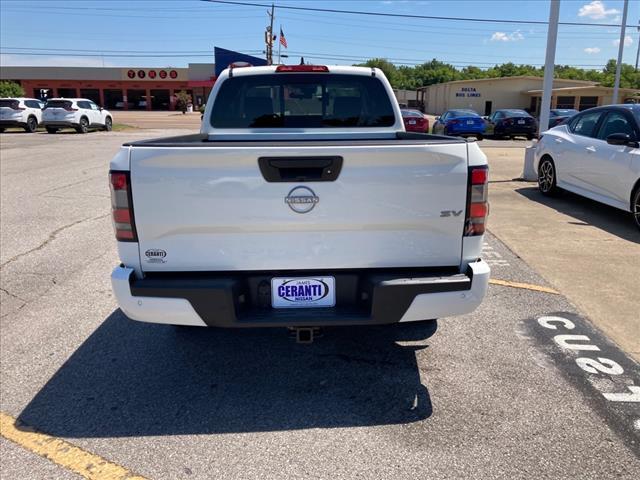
120, 127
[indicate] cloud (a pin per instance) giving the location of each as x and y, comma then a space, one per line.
596, 10
592, 50
627, 41
507, 37
7, 60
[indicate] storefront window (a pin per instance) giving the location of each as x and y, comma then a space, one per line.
588, 102
160, 99
566, 102
92, 94
137, 99
67, 92
113, 99
43, 93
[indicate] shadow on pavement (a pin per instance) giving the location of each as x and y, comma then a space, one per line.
135, 379
587, 212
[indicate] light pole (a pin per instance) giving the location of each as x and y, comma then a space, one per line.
547, 83
616, 83
638, 52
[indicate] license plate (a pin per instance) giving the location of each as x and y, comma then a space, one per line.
303, 292
412, 122
470, 122
520, 122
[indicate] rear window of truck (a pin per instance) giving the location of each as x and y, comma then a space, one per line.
290, 100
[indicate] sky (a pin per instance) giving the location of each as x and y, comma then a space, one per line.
163, 33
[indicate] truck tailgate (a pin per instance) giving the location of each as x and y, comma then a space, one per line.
210, 208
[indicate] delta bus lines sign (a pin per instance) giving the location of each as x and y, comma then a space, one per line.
468, 92
151, 74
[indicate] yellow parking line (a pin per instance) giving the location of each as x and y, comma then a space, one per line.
526, 286
63, 453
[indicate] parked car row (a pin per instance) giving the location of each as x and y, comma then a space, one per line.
504, 123
80, 114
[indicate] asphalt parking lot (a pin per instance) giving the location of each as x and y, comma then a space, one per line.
529, 385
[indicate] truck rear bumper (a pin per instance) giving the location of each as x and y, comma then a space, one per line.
365, 297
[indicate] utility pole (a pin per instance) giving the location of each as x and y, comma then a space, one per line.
549, 65
638, 52
268, 36
616, 83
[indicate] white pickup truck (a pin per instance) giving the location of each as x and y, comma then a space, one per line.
302, 203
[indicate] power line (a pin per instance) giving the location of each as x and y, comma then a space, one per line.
111, 51
314, 55
208, 53
301, 17
406, 15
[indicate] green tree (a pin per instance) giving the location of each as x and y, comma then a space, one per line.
10, 89
388, 68
435, 71
182, 100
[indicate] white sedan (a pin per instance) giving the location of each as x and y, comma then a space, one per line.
596, 154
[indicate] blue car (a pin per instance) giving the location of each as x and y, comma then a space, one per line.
465, 123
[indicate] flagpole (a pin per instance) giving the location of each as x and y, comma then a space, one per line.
279, 44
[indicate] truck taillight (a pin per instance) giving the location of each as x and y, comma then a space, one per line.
122, 206
477, 201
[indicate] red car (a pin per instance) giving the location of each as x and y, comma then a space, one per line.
414, 121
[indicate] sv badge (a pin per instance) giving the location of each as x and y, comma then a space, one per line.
450, 213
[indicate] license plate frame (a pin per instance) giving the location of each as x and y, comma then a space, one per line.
303, 292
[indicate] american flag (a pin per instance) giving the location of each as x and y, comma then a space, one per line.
283, 41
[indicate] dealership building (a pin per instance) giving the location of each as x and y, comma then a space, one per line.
490, 94
114, 87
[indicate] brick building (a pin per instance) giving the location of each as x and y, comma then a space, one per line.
116, 88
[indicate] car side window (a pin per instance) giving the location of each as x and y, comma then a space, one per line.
498, 116
84, 105
93, 106
32, 104
615, 122
444, 116
585, 124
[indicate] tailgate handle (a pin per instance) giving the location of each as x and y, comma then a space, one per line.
300, 169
